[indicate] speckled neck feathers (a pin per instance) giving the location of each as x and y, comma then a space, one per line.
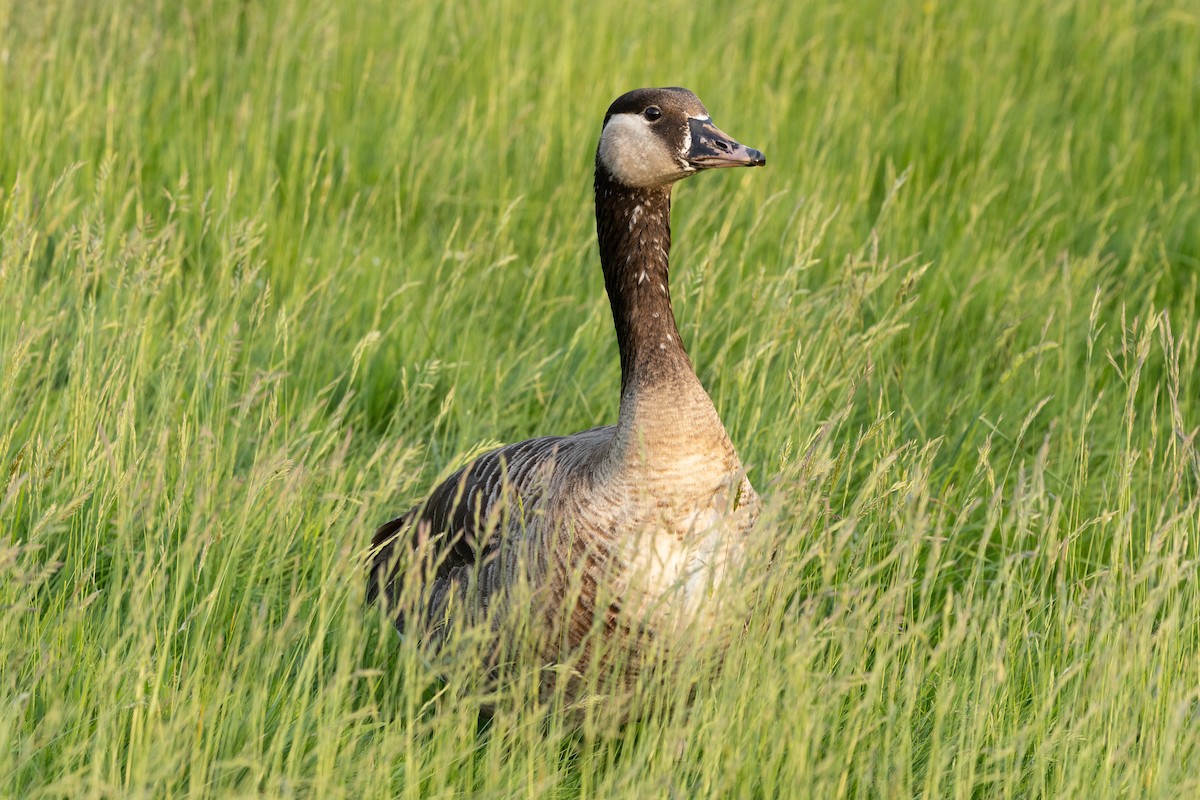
634, 229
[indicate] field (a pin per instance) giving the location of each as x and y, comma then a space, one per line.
270, 269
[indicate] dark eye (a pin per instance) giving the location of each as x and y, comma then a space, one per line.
652, 113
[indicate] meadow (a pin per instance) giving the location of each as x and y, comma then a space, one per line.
270, 269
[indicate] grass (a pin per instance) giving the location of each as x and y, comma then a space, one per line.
265, 272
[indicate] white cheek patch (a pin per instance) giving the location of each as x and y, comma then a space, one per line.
634, 154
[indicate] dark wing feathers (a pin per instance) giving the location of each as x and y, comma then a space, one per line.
455, 519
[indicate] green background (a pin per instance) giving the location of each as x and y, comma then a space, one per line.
270, 269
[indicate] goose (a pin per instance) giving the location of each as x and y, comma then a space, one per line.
624, 528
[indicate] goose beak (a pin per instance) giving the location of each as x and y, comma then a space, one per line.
711, 147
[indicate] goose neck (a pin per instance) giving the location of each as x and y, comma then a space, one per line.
634, 230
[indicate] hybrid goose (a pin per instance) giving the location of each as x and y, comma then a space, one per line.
624, 529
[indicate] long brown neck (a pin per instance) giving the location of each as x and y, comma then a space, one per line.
634, 229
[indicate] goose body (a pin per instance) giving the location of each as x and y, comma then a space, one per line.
627, 527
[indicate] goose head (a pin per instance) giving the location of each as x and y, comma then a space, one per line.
654, 137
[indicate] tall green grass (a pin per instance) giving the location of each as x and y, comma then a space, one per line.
269, 269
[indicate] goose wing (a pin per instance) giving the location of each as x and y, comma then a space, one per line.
459, 530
